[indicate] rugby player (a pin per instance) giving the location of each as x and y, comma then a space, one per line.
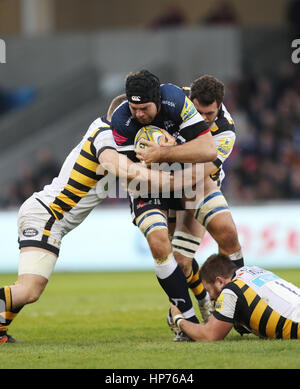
207, 94
251, 299
165, 106
47, 216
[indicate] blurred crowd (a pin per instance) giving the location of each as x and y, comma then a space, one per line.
265, 162
33, 177
12, 99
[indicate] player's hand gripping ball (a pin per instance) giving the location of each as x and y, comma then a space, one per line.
149, 133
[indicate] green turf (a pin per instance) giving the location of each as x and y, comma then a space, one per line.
118, 321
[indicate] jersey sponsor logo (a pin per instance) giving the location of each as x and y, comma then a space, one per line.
142, 203
136, 98
219, 302
263, 279
30, 232
169, 103
188, 110
56, 242
214, 127
225, 146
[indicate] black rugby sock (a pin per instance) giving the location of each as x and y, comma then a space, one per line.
176, 288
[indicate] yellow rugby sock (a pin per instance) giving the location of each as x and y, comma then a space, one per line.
195, 283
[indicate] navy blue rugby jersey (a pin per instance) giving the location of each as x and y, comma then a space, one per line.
177, 115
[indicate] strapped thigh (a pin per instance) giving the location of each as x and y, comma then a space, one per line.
185, 244
213, 204
37, 262
151, 220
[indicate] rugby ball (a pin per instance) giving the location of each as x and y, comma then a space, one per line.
150, 133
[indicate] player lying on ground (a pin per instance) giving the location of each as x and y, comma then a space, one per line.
250, 299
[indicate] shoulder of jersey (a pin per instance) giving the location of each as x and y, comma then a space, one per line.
224, 122
170, 91
121, 116
172, 97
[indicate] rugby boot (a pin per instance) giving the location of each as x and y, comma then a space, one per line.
5, 338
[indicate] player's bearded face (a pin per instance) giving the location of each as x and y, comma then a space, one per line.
209, 112
212, 290
144, 113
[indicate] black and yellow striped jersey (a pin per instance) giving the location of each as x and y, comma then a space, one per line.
74, 193
262, 302
224, 135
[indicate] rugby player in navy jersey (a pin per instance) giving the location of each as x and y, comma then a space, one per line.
207, 94
165, 106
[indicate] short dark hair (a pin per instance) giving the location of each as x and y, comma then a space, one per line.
217, 265
206, 89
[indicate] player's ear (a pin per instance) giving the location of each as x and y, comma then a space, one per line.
220, 282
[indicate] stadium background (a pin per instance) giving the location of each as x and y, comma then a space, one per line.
66, 59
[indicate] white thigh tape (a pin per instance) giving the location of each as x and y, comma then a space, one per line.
185, 244
151, 221
213, 204
37, 262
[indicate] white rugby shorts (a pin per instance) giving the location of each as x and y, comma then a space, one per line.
37, 227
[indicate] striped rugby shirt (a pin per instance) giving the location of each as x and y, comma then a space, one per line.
224, 136
261, 301
74, 193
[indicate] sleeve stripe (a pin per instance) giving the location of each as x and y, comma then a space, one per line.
219, 316
204, 132
104, 148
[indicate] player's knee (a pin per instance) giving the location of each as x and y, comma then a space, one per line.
33, 294
159, 243
230, 234
30, 290
225, 234
35, 268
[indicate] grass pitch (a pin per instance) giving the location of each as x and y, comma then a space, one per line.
118, 321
